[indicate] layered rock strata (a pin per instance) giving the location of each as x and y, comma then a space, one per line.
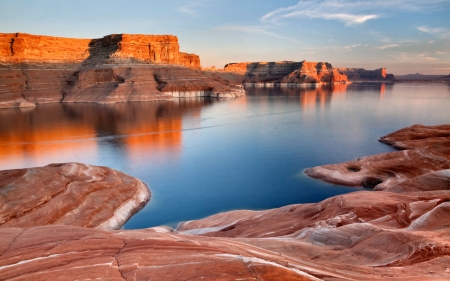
28, 48
69, 194
361, 74
285, 72
426, 150
116, 68
289, 73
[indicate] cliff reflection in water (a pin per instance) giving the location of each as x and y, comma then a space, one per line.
76, 132
309, 97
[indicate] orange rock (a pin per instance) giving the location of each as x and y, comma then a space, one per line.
361, 74
115, 68
285, 72
70, 194
22, 47
428, 150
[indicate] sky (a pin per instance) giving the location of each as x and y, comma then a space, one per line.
405, 36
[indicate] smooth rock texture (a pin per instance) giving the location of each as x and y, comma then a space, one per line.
69, 194
366, 235
427, 149
116, 68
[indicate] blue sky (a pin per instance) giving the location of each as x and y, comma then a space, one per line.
405, 36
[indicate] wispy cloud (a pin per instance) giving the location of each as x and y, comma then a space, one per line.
192, 7
254, 30
416, 57
387, 46
319, 9
426, 29
352, 46
351, 12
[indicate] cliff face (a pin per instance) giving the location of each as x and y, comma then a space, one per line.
285, 72
358, 74
21, 47
115, 68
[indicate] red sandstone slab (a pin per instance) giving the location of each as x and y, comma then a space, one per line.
69, 194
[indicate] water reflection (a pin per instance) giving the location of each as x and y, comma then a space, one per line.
203, 156
56, 132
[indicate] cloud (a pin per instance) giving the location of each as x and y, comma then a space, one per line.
387, 46
426, 29
253, 30
320, 9
191, 7
352, 46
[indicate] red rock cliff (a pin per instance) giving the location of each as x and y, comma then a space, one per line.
286, 72
22, 47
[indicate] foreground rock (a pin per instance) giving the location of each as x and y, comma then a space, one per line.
365, 235
69, 194
427, 149
116, 68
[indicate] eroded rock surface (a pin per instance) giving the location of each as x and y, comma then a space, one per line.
286, 72
116, 68
69, 194
400, 233
426, 150
361, 74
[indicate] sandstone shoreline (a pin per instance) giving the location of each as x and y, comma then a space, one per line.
401, 231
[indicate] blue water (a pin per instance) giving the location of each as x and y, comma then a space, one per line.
202, 156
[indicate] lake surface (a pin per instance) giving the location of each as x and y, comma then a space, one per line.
201, 156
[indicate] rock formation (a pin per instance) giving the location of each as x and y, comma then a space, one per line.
361, 74
427, 149
288, 73
69, 194
22, 47
400, 233
115, 68
282, 73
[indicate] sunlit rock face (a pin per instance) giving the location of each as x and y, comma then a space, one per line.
28, 48
116, 68
69, 194
285, 72
361, 74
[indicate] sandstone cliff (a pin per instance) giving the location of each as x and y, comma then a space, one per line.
361, 74
282, 73
115, 68
22, 47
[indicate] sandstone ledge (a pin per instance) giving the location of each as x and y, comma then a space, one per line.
401, 233
69, 194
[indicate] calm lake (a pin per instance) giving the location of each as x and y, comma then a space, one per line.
201, 156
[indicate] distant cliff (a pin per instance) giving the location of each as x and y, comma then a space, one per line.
286, 72
115, 68
291, 73
361, 74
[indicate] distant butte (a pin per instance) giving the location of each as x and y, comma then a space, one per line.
290, 73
